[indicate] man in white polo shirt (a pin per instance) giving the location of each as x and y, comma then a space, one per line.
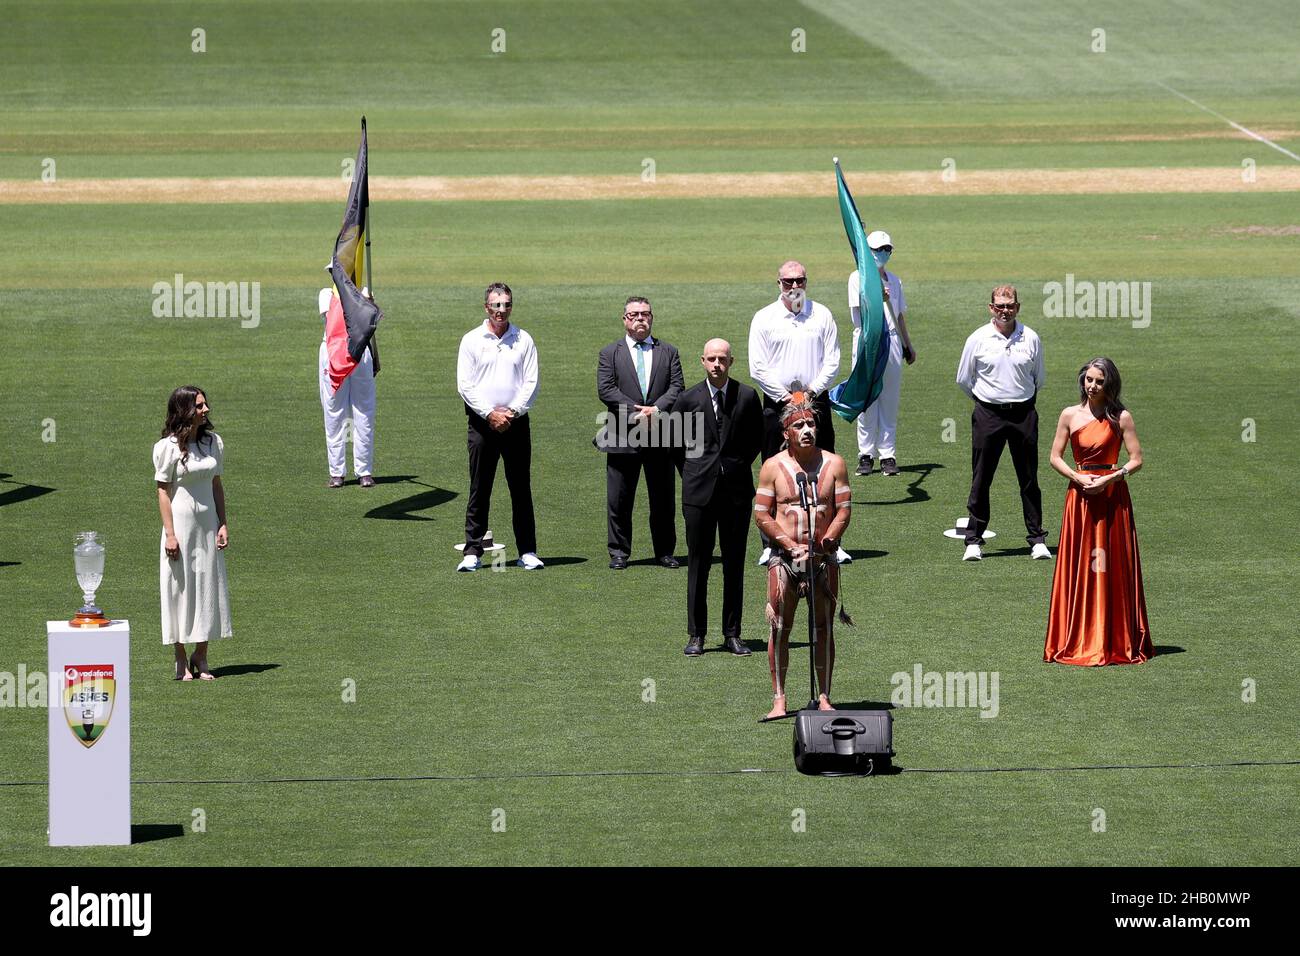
878, 425
1001, 368
496, 374
794, 340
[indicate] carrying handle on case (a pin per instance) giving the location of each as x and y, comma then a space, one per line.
843, 727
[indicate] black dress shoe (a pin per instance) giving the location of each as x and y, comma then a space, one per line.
668, 561
618, 564
736, 646
694, 647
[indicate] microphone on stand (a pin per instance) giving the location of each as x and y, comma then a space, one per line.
812, 516
802, 481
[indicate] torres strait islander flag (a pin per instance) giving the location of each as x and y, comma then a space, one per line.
854, 395
351, 320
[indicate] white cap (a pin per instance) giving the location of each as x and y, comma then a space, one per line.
878, 239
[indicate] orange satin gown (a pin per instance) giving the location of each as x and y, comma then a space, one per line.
1098, 613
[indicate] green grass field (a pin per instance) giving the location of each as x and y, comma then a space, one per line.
524, 692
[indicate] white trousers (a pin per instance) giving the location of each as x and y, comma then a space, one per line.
355, 400
878, 425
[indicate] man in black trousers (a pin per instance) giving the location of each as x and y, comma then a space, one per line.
638, 377
1001, 368
718, 491
496, 375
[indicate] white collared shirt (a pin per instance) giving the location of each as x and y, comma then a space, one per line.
1000, 369
492, 372
785, 348
648, 352
894, 305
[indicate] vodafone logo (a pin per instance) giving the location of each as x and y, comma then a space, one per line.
83, 672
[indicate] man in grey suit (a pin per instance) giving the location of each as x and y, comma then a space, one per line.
638, 378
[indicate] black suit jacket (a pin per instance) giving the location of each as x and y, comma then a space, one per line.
725, 452
620, 389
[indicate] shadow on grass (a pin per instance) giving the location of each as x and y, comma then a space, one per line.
152, 832
863, 554
915, 493
404, 508
1162, 649
863, 705
9, 564
561, 561
1007, 553
237, 670
20, 491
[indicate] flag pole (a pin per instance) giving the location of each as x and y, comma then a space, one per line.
367, 229
368, 280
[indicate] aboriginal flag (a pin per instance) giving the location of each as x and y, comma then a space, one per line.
351, 320
854, 395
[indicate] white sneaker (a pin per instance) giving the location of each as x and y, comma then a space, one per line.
468, 563
765, 557
530, 562
973, 553
843, 557
1040, 552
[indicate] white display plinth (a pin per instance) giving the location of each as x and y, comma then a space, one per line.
90, 734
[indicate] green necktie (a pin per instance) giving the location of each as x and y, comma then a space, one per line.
640, 370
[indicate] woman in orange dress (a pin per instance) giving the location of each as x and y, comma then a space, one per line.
1098, 613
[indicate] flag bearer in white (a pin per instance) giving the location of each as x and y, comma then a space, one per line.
355, 400
878, 425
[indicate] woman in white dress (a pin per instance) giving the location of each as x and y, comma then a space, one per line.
187, 468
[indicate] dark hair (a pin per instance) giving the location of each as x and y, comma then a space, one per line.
1110, 387
182, 424
498, 287
636, 298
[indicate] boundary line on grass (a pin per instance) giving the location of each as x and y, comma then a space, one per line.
1251, 133
469, 778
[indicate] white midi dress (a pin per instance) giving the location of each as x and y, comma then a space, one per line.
195, 594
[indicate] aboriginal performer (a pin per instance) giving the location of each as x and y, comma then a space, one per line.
779, 515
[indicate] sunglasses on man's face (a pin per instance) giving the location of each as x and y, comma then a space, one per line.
1005, 306
500, 306
793, 282
638, 315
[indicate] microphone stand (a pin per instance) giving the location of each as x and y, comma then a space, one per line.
809, 504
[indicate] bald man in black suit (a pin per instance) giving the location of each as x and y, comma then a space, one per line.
718, 492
